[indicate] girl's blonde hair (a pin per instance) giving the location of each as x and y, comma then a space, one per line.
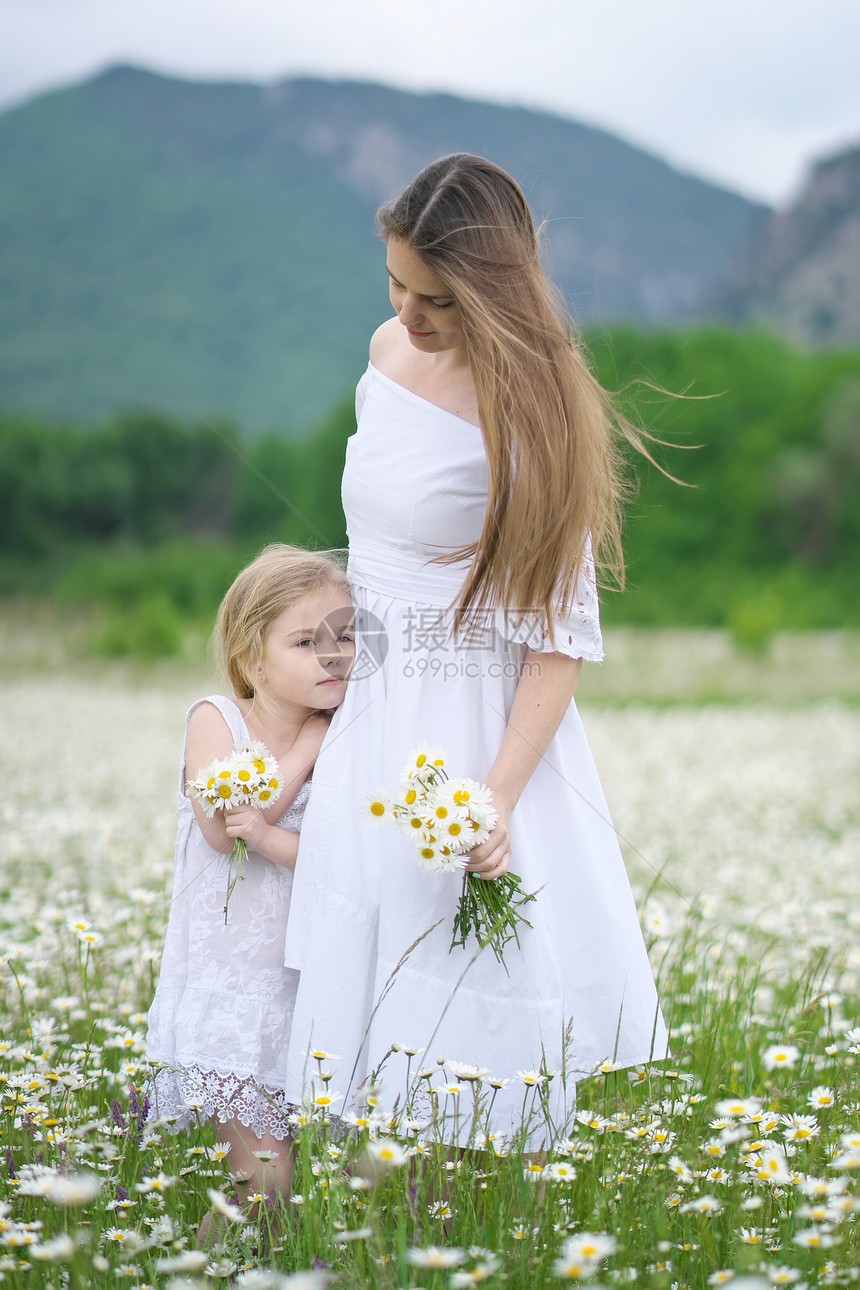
277, 579
550, 430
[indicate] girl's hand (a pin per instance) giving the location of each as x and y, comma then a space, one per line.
492, 858
248, 824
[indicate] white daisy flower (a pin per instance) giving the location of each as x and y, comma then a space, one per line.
185, 1261
377, 808
158, 1182
489, 1264
772, 1166
326, 1099
59, 1249
702, 1205
800, 1127
357, 1234
738, 1106
823, 1186
848, 1159
470, 794
590, 1245
470, 1073
571, 1267
780, 1056
425, 761
559, 1171
427, 857
815, 1238
779, 1275
73, 1189
434, 1256
683, 1171
224, 1206
387, 1152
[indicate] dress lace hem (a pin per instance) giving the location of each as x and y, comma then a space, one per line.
185, 1094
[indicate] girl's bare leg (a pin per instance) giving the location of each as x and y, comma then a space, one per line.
251, 1176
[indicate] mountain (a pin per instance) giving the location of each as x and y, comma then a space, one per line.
801, 273
219, 238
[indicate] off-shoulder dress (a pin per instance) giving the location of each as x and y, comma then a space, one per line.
580, 991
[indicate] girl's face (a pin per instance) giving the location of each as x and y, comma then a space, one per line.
421, 301
308, 652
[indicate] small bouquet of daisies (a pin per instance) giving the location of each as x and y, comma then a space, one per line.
249, 776
446, 818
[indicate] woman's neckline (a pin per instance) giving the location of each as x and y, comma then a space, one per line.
404, 389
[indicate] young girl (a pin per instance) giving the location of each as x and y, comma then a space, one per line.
220, 1021
481, 480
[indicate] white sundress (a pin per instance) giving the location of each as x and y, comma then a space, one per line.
580, 990
219, 1025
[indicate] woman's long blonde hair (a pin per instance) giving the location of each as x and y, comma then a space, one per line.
279, 577
550, 430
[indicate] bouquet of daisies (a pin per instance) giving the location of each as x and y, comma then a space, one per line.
446, 818
249, 776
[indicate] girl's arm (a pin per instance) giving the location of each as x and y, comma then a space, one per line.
209, 739
297, 764
258, 827
543, 695
278, 845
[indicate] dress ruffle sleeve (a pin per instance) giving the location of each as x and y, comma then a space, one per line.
576, 625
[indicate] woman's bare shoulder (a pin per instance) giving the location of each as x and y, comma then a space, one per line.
386, 343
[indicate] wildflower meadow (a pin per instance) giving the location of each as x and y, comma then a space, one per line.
736, 1161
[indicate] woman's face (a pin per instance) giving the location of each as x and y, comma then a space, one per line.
421, 301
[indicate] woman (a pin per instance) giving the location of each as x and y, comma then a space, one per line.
483, 472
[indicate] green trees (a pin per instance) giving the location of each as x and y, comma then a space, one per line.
767, 441
150, 518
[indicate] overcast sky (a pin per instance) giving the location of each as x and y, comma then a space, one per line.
745, 92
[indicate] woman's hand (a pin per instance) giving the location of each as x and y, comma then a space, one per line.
492, 858
248, 824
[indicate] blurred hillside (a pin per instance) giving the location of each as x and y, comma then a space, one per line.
800, 274
219, 237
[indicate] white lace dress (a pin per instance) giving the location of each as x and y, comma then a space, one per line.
219, 1025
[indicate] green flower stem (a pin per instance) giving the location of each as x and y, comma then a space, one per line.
240, 850
490, 909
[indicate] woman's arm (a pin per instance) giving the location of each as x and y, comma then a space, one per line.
543, 695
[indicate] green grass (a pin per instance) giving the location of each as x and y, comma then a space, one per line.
754, 940
636, 1163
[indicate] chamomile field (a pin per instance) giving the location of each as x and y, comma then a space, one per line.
737, 1161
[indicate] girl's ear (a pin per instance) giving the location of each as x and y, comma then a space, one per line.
252, 663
